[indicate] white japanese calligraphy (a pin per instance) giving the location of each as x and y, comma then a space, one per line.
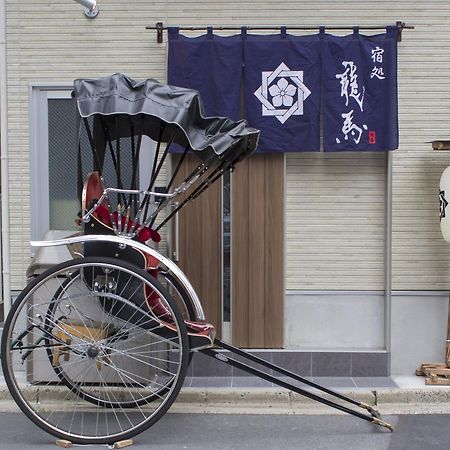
377, 57
350, 128
349, 84
377, 54
377, 72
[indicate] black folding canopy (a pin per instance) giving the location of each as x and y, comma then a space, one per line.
116, 107
178, 110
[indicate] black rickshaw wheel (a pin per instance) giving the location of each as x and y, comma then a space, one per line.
116, 353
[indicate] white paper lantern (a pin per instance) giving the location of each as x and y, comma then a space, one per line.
444, 199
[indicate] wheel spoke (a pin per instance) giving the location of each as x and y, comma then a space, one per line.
102, 365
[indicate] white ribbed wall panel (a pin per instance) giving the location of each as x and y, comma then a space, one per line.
335, 221
54, 42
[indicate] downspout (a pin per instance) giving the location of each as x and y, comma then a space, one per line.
4, 163
388, 255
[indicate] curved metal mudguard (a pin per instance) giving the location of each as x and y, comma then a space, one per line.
122, 241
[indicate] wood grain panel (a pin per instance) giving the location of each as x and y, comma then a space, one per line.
274, 246
200, 225
239, 254
258, 252
211, 257
193, 238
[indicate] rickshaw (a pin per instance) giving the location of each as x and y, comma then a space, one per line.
95, 349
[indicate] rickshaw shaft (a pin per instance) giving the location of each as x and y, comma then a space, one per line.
373, 417
279, 369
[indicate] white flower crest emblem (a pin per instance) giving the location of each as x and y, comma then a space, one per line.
283, 98
282, 93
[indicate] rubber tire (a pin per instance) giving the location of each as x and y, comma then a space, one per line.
23, 405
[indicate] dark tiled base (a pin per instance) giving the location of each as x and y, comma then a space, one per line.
255, 382
211, 382
244, 382
297, 362
305, 364
205, 366
331, 364
335, 382
370, 364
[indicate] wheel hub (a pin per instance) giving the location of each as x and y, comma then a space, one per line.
92, 352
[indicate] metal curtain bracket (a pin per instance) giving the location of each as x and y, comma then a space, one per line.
441, 145
159, 27
159, 32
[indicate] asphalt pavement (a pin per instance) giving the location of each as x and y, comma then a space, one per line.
241, 432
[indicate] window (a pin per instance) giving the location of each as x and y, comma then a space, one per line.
53, 133
53, 146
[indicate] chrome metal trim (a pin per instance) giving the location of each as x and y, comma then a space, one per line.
104, 196
176, 251
137, 191
169, 264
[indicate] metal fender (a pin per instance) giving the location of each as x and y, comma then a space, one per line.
166, 262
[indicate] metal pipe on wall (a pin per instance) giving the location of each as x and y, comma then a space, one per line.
90, 8
5, 258
388, 253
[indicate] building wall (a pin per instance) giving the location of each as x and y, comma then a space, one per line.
55, 43
419, 329
335, 224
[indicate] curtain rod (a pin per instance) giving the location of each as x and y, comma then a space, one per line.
159, 27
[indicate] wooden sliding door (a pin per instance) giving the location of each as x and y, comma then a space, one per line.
200, 244
257, 251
